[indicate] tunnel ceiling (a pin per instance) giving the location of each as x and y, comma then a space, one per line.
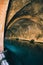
26, 21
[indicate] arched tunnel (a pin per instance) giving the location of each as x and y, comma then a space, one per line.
32, 14
23, 36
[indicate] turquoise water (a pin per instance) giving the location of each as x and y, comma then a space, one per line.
23, 55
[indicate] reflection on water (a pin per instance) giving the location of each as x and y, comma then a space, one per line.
20, 53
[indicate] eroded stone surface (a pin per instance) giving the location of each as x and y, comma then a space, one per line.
28, 23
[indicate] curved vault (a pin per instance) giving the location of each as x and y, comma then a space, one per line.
27, 22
